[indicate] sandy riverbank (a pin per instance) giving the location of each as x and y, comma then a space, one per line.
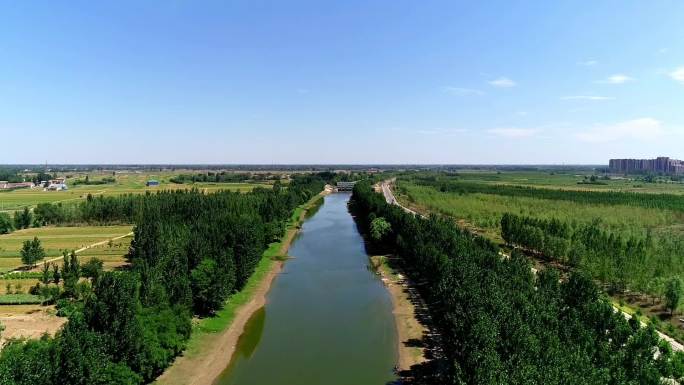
215, 351
409, 330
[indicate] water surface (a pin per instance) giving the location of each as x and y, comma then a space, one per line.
328, 318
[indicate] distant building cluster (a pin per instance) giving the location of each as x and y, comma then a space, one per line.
58, 184
660, 165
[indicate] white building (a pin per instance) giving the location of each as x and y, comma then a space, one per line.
58, 184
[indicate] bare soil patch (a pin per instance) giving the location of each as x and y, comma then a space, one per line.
29, 321
410, 332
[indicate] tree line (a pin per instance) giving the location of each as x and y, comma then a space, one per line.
211, 177
223, 177
650, 201
497, 322
622, 262
94, 182
190, 251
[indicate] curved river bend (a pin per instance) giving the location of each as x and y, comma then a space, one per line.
328, 318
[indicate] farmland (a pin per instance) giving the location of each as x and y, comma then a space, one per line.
21, 313
125, 183
568, 180
55, 240
484, 211
630, 239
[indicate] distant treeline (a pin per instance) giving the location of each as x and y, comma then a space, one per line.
14, 175
221, 177
10, 175
190, 251
651, 201
90, 182
232, 177
125, 208
500, 324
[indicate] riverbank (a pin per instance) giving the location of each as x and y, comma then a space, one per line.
213, 340
410, 331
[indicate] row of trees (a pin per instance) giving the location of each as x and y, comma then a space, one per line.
500, 324
90, 182
190, 251
652, 201
621, 262
22, 219
212, 177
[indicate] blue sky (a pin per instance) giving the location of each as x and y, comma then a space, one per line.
340, 82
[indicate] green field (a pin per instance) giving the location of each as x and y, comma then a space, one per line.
20, 299
569, 180
478, 200
57, 239
126, 183
484, 211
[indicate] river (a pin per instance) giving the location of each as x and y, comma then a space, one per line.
328, 318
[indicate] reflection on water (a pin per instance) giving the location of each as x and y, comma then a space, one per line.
252, 334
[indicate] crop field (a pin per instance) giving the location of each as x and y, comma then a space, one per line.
11, 286
484, 211
126, 183
57, 239
478, 201
570, 181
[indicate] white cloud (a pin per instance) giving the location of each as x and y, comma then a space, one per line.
586, 97
503, 82
617, 79
636, 129
678, 74
442, 131
513, 132
588, 63
459, 91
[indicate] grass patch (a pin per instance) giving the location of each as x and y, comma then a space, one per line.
20, 299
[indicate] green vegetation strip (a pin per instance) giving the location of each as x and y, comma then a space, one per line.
20, 299
224, 317
650, 201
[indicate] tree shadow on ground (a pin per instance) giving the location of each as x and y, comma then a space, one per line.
427, 372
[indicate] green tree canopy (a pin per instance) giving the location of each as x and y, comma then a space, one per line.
32, 252
673, 294
379, 228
